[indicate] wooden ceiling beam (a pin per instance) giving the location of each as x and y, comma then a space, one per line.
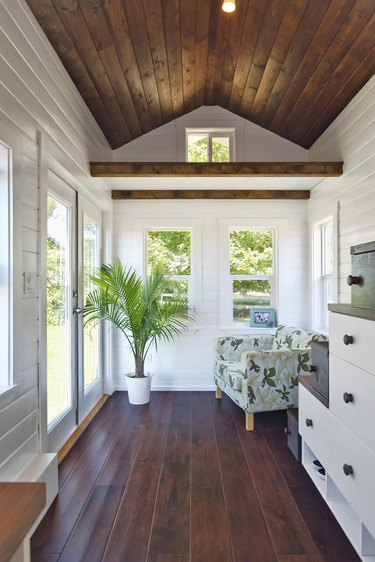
238, 169
135, 194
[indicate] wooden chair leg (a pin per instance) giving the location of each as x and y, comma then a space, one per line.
218, 393
250, 422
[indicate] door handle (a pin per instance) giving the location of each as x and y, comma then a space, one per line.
77, 310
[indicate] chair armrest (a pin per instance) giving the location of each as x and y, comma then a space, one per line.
230, 348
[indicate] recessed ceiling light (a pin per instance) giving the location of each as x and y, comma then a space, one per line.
228, 6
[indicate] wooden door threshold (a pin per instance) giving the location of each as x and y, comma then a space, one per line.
64, 450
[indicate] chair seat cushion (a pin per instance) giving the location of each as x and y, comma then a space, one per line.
230, 372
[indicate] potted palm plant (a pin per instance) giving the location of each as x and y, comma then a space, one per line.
137, 308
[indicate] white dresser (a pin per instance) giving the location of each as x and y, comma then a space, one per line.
342, 436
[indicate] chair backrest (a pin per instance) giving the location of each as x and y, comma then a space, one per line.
294, 338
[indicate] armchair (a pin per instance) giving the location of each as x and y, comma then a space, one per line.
260, 373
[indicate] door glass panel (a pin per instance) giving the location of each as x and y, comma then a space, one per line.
91, 336
59, 307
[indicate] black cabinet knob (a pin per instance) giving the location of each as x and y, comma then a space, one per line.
309, 422
312, 368
352, 280
348, 469
348, 397
347, 339
286, 431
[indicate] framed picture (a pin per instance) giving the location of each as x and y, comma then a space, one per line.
262, 317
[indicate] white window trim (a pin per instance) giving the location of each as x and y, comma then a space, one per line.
6, 239
278, 226
316, 277
212, 132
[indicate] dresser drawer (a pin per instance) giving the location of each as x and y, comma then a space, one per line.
312, 423
349, 454
359, 335
352, 393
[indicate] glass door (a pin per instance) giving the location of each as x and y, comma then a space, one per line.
90, 380
61, 300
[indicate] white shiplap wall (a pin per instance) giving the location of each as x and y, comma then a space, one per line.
36, 96
187, 363
351, 137
252, 143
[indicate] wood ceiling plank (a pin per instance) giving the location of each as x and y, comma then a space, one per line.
343, 39
292, 17
46, 14
309, 24
210, 194
271, 23
96, 22
75, 23
155, 28
253, 22
216, 23
138, 30
239, 169
231, 42
118, 25
337, 80
201, 50
334, 17
362, 74
187, 22
171, 18
116, 76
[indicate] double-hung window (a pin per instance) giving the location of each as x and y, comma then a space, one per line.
5, 238
209, 145
169, 252
324, 288
251, 271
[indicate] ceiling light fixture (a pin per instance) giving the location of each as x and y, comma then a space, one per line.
228, 6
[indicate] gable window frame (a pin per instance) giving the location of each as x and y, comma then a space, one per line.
211, 133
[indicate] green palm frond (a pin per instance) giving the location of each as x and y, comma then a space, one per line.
136, 308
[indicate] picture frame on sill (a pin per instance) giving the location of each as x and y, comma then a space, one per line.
262, 317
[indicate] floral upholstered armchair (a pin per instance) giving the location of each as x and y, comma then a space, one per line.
260, 373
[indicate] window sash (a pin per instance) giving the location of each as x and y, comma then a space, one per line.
210, 135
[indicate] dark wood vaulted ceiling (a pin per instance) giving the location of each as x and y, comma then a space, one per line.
290, 66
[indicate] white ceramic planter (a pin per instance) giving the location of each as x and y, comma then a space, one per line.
139, 388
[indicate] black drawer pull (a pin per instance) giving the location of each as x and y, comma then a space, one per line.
287, 431
309, 422
352, 280
347, 339
348, 469
348, 397
312, 369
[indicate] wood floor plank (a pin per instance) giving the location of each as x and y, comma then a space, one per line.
208, 511
247, 525
131, 530
89, 538
171, 524
285, 523
53, 533
119, 463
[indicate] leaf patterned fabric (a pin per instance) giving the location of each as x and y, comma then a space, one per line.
261, 373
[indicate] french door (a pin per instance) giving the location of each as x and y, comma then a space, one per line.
74, 374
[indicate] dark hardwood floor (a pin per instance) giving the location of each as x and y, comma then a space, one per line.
181, 480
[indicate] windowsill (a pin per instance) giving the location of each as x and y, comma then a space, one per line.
249, 330
5, 391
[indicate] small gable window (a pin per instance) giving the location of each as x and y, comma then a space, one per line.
209, 145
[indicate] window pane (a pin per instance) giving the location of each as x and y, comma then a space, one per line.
58, 310
220, 149
251, 252
247, 294
175, 289
168, 251
327, 248
197, 149
91, 336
